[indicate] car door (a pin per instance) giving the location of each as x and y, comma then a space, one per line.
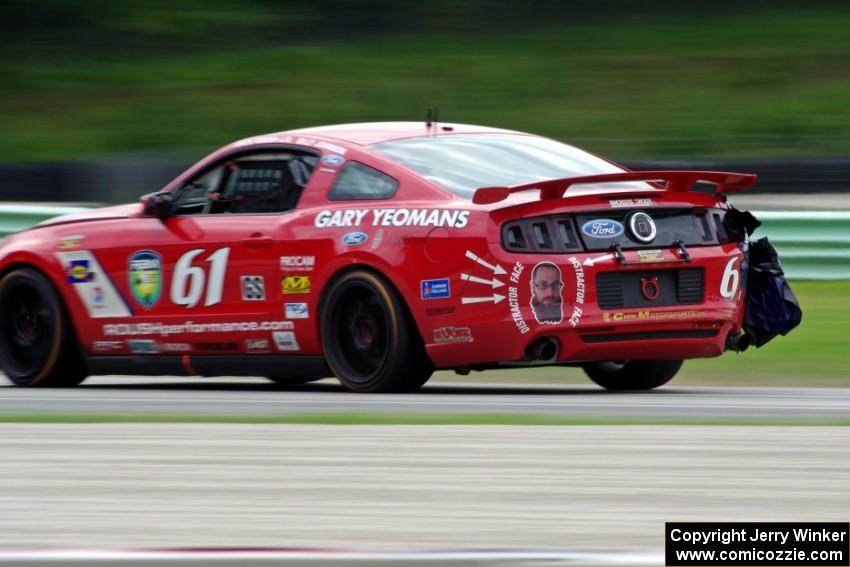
204, 279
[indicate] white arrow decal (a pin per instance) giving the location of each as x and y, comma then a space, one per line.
494, 282
497, 269
591, 261
496, 298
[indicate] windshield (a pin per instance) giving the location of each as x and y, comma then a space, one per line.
462, 163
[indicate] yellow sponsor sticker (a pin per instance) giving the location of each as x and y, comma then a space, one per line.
293, 285
650, 315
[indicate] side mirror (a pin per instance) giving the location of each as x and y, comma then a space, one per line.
157, 204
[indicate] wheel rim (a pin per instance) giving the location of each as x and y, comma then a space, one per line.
27, 331
361, 344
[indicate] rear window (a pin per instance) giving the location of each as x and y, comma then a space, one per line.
360, 182
462, 163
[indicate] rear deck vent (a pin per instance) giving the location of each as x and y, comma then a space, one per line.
609, 290
690, 286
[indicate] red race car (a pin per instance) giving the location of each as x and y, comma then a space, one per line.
380, 252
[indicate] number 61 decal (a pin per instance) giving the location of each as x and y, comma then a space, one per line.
731, 279
189, 281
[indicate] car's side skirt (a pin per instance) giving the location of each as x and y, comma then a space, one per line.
279, 366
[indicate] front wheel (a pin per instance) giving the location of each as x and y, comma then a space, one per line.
632, 374
37, 344
369, 338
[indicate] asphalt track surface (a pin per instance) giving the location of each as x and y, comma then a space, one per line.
258, 397
385, 487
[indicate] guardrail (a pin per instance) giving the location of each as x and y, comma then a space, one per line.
813, 245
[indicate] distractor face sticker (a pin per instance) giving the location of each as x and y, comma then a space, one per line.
546, 301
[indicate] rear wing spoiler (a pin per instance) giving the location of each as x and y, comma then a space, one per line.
681, 181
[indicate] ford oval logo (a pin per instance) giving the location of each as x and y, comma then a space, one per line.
332, 159
354, 238
602, 228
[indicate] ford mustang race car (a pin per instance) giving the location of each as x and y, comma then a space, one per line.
378, 253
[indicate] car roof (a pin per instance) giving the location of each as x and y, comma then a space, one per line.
367, 133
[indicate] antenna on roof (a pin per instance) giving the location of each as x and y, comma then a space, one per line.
432, 117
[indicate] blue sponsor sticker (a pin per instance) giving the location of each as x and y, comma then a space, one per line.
79, 271
602, 228
354, 238
332, 159
436, 289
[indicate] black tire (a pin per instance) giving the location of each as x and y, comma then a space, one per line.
289, 381
37, 344
632, 374
370, 340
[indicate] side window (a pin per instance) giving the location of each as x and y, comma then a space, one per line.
359, 182
260, 183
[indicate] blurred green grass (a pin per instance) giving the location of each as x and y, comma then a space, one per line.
817, 353
775, 82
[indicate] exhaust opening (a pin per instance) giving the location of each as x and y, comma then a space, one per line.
544, 349
738, 342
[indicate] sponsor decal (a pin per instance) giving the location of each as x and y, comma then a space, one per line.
298, 263
513, 299
72, 241
145, 272
332, 160
107, 346
79, 271
285, 341
98, 297
617, 203
435, 289
642, 227
578, 268
92, 284
296, 310
138, 346
650, 315
354, 238
602, 228
327, 170
164, 330
257, 346
217, 347
392, 217
453, 335
295, 285
546, 300
175, 347
649, 256
253, 288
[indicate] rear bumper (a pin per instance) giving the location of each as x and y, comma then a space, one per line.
502, 332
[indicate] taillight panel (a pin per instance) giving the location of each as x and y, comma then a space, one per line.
555, 234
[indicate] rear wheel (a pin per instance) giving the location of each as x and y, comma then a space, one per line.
37, 344
370, 340
632, 374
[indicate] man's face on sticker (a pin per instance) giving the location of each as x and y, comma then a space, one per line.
547, 285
